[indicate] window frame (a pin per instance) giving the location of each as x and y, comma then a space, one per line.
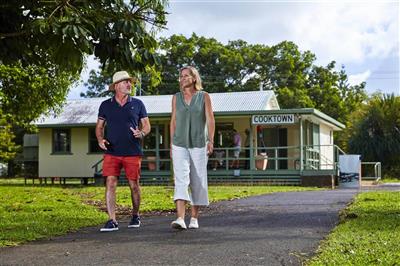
68, 149
92, 137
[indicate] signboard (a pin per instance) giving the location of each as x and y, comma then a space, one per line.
282, 119
350, 171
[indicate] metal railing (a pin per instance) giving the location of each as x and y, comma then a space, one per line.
371, 171
278, 158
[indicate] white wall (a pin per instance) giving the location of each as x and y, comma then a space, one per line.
326, 138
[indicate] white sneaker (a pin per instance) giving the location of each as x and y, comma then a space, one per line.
194, 224
179, 223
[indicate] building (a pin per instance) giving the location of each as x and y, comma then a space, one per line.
290, 146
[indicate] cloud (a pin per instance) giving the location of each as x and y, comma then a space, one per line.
362, 35
344, 31
349, 32
356, 79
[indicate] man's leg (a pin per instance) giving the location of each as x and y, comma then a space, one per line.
135, 194
111, 185
111, 171
132, 166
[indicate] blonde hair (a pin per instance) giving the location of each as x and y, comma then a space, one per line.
195, 74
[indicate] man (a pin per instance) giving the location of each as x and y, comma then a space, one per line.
237, 143
127, 123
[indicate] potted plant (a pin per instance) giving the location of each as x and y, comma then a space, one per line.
261, 161
151, 162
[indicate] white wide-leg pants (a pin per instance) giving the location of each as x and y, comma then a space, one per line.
190, 170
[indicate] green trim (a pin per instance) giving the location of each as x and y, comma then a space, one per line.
236, 114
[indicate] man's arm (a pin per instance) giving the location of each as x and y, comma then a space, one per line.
100, 134
144, 130
146, 127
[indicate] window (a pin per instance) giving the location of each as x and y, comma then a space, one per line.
93, 145
223, 135
61, 141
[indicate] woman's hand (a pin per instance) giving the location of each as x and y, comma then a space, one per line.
210, 148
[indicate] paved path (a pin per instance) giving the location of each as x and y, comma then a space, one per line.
274, 229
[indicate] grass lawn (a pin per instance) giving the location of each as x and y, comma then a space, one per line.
368, 234
29, 212
390, 180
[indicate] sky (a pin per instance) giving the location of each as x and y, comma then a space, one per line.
363, 36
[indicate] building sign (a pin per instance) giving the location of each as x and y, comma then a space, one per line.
272, 119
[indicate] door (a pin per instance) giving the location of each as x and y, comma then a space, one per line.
276, 137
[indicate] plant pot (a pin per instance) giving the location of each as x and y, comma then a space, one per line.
151, 163
261, 161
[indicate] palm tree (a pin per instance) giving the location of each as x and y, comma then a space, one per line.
375, 132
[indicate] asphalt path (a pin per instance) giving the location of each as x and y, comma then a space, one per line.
274, 229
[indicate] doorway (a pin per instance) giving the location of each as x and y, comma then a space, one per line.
276, 137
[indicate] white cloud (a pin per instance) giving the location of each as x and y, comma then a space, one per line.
358, 34
344, 31
361, 35
348, 32
356, 79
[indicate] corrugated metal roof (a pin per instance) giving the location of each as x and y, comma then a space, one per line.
84, 111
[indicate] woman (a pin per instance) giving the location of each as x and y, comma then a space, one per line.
192, 132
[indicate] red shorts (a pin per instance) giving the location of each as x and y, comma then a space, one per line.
112, 166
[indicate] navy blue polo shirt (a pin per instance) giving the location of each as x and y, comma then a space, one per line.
118, 120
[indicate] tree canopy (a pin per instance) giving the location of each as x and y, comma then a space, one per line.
44, 45
283, 68
119, 33
375, 132
26, 93
238, 66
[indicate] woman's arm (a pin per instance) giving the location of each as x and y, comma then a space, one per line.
210, 123
172, 125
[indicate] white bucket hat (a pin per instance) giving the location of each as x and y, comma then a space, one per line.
120, 76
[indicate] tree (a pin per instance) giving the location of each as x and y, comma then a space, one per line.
119, 33
97, 84
26, 93
239, 66
375, 132
8, 149
283, 68
98, 81
44, 45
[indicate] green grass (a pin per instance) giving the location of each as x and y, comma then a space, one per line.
390, 180
369, 233
29, 212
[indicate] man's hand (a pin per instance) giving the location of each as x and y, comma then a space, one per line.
103, 143
137, 133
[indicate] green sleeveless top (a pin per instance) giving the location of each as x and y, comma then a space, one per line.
190, 121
